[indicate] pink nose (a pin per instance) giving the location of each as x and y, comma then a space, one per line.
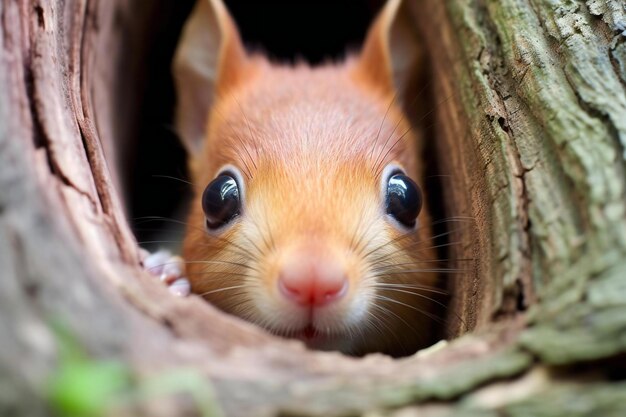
312, 284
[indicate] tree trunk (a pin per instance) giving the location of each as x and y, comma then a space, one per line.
530, 135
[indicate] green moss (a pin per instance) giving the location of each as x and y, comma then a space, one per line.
592, 327
81, 386
600, 399
457, 380
87, 389
84, 386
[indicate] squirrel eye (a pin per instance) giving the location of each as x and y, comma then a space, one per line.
221, 201
404, 199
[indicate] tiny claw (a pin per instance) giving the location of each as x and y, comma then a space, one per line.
156, 262
170, 270
180, 287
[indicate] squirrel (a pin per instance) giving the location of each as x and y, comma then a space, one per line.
308, 220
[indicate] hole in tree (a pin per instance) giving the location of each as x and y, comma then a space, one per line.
286, 31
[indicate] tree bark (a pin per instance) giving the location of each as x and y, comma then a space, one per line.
530, 107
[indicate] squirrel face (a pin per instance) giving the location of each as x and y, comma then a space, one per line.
308, 223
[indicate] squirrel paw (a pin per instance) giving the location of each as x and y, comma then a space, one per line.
170, 269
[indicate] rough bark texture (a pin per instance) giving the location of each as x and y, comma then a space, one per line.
531, 127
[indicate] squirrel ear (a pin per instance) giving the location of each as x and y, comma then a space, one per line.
391, 49
209, 60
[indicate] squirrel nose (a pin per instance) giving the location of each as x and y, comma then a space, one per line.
312, 283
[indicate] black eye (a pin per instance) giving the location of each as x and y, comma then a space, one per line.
404, 199
221, 201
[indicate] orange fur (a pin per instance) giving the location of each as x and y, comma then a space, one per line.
311, 144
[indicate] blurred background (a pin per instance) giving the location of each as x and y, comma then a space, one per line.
285, 30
